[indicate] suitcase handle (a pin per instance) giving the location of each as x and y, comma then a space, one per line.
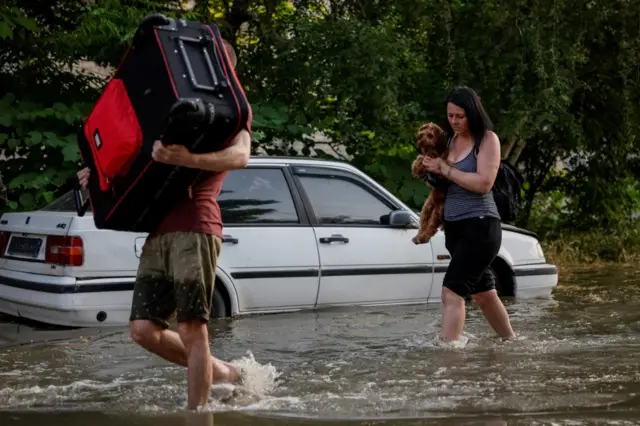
215, 70
81, 206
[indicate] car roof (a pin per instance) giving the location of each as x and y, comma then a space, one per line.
284, 160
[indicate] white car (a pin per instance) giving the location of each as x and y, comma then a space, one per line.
300, 234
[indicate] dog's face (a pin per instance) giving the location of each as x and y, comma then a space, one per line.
431, 138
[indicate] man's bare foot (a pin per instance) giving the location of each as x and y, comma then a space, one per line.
234, 372
225, 372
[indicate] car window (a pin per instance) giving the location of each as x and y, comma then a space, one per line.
256, 195
64, 203
336, 200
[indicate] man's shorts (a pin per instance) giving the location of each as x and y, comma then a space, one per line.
176, 274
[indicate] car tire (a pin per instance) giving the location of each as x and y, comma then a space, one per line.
505, 284
218, 304
497, 281
498, 284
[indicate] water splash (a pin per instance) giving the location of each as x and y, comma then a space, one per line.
433, 340
258, 381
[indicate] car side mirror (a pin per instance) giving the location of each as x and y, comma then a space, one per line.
399, 219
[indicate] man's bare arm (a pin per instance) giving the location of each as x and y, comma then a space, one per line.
236, 156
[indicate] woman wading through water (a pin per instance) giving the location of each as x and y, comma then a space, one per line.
473, 232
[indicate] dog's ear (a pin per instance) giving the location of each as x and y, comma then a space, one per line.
420, 140
441, 141
423, 143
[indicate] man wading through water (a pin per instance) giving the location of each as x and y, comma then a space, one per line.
177, 268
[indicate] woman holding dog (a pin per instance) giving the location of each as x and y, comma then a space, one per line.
473, 233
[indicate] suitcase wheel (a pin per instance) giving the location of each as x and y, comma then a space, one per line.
184, 106
193, 110
151, 21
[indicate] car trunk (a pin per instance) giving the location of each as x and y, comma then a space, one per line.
37, 242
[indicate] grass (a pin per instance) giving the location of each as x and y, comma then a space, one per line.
594, 248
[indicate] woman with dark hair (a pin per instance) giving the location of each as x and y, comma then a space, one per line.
473, 233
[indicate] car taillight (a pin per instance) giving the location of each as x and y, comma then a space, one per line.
64, 250
4, 242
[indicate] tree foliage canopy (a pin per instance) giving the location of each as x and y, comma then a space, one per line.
560, 79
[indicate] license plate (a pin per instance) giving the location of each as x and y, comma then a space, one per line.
23, 246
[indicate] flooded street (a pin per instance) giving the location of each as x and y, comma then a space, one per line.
576, 362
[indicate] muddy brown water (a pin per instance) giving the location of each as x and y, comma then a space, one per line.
576, 362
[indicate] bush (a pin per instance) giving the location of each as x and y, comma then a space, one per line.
620, 245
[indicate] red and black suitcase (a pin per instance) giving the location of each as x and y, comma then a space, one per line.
175, 83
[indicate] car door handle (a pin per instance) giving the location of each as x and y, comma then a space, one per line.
334, 238
229, 239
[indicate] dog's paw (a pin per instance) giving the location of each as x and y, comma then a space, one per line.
416, 240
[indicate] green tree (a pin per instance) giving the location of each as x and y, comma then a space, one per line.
49, 94
559, 78
43, 104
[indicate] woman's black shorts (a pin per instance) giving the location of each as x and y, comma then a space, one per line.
473, 244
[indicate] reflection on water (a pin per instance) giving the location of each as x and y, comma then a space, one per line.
575, 362
242, 419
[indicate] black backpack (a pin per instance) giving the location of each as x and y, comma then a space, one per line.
506, 189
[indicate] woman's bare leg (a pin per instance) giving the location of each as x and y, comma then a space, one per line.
495, 313
453, 315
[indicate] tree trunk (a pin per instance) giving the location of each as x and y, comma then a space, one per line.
506, 150
515, 154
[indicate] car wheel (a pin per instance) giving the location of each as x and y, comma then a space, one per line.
499, 283
505, 285
219, 305
496, 279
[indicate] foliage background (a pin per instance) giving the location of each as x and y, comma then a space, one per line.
561, 80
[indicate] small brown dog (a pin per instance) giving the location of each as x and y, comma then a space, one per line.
431, 142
